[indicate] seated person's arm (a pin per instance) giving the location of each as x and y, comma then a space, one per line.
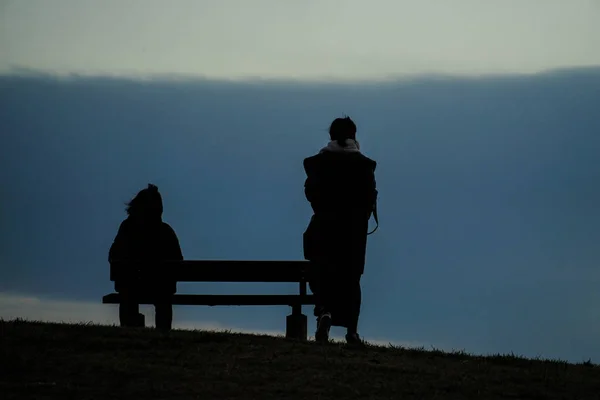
118, 249
173, 249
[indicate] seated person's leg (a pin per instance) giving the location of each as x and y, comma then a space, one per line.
163, 315
129, 309
163, 307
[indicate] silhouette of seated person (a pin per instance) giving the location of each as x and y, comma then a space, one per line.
144, 239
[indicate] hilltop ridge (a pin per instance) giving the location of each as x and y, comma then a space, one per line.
48, 360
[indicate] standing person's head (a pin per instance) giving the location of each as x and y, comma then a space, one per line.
342, 129
146, 205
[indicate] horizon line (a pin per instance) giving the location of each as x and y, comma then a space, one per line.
27, 72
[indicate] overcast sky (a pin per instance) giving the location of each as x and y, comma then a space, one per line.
309, 39
488, 199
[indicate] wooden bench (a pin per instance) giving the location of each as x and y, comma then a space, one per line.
226, 271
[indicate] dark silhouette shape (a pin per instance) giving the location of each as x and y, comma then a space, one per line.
341, 188
143, 237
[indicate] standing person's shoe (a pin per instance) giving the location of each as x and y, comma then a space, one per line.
354, 339
323, 327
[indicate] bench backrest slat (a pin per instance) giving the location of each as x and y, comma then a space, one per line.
214, 271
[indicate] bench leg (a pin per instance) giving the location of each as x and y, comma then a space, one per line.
296, 325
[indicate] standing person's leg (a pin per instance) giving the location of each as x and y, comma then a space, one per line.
318, 308
314, 286
355, 265
324, 291
354, 303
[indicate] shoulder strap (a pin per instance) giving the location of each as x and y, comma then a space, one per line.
375, 217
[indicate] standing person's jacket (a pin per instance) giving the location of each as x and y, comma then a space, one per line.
341, 189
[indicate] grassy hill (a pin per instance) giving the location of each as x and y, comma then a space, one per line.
42, 361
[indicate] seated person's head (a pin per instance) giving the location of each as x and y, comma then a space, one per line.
146, 205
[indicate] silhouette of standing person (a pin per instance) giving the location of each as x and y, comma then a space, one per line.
341, 189
144, 237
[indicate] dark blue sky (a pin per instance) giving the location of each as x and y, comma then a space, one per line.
490, 226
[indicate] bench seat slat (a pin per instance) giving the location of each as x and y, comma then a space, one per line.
224, 300
216, 271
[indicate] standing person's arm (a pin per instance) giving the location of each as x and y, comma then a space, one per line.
371, 190
311, 186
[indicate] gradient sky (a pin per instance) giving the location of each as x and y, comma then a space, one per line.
311, 39
489, 196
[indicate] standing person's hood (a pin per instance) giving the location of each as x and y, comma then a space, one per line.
333, 146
